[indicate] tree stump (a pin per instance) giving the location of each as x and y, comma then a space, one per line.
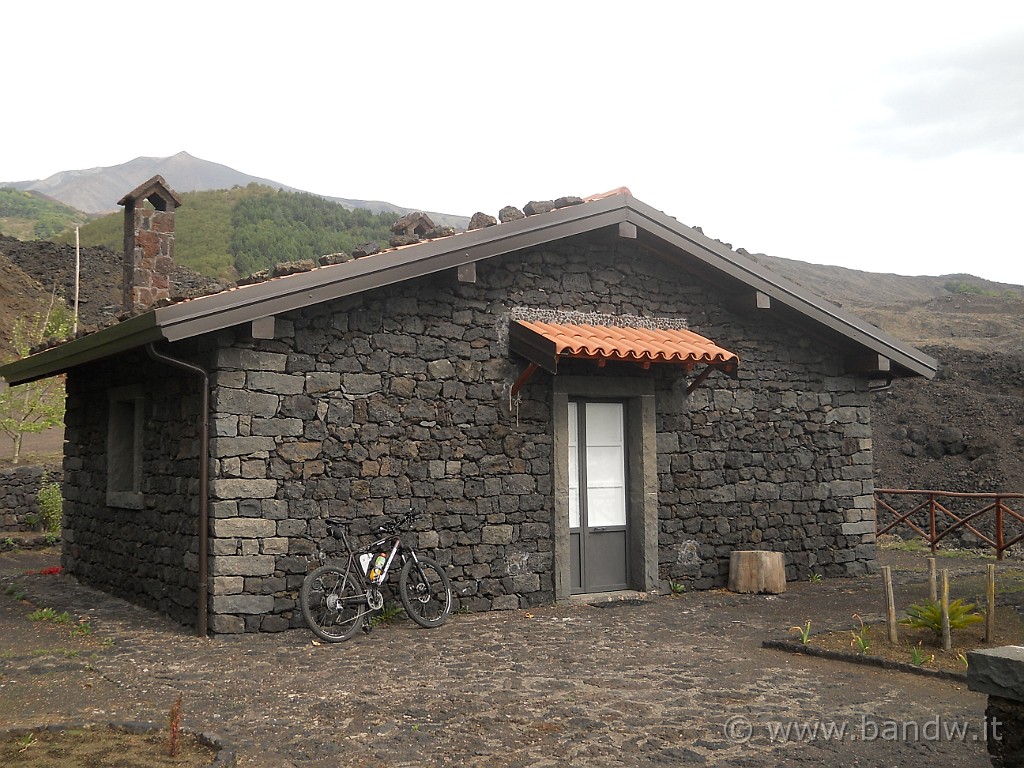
757, 571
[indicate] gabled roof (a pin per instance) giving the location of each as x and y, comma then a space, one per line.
869, 350
157, 191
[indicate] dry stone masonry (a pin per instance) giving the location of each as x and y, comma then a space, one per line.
365, 406
19, 496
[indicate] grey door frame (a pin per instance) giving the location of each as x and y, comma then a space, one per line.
637, 393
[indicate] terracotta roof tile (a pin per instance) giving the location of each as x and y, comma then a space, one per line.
634, 344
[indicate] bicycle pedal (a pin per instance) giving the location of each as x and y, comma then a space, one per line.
367, 629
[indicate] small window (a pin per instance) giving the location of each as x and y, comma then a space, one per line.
124, 448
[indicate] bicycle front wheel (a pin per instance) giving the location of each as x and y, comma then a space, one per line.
426, 592
332, 603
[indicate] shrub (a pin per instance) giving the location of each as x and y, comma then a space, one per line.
51, 506
928, 615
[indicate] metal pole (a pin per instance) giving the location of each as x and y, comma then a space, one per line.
78, 269
202, 587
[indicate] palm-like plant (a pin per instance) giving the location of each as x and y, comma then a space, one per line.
928, 615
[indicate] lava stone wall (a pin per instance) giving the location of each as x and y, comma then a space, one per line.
147, 555
19, 496
399, 397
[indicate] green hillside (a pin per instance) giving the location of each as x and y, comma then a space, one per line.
227, 233
30, 216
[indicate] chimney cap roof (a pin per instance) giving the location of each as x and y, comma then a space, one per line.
155, 187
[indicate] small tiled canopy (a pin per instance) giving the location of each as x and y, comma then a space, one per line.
542, 344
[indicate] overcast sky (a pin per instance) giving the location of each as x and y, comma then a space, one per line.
882, 136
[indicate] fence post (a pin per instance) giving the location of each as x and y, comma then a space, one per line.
999, 528
931, 517
947, 639
990, 614
890, 605
933, 588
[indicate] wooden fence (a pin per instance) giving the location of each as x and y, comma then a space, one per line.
931, 515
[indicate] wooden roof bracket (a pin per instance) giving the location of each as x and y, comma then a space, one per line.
523, 378
699, 380
728, 370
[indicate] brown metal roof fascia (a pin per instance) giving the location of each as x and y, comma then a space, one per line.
535, 347
749, 272
223, 310
129, 334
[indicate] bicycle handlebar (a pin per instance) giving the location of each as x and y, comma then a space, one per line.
397, 525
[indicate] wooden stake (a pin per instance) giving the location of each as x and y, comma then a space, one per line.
890, 605
933, 591
990, 616
947, 638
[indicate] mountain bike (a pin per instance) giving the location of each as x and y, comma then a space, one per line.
335, 598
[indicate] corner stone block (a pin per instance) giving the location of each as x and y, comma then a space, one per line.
276, 383
227, 625
227, 585
251, 360
240, 446
243, 565
250, 604
243, 528
858, 529
243, 403
233, 488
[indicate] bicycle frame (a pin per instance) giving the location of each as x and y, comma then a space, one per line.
396, 549
335, 597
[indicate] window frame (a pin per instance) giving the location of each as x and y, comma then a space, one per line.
126, 411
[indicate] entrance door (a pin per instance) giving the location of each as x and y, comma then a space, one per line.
597, 496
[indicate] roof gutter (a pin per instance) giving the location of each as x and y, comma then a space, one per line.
130, 334
204, 480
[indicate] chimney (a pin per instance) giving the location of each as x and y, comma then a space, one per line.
148, 244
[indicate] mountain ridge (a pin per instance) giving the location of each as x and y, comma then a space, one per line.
95, 190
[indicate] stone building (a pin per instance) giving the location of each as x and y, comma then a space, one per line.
591, 398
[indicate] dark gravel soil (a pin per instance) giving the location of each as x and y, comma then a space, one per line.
671, 681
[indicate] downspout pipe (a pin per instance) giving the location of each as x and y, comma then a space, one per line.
204, 480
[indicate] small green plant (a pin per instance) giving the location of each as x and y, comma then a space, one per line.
676, 587
52, 538
48, 614
962, 659
387, 614
917, 657
928, 615
13, 590
815, 578
26, 741
9, 543
804, 632
83, 629
51, 506
862, 636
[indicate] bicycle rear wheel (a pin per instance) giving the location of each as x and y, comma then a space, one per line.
426, 592
332, 603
